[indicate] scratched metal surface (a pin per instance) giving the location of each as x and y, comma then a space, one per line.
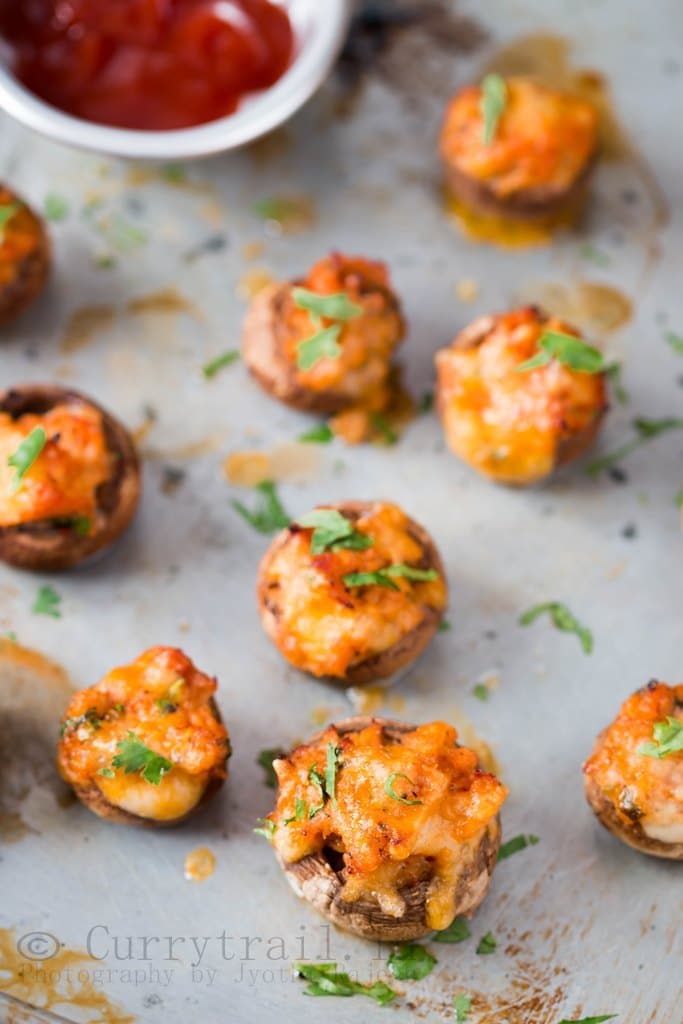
585, 926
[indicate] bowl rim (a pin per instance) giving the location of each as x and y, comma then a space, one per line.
260, 113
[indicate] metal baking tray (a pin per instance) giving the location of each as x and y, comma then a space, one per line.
584, 925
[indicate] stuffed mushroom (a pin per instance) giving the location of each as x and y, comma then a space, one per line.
352, 592
24, 255
145, 745
69, 477
389, 830
324, 344
520, 394
517, 149
634, 777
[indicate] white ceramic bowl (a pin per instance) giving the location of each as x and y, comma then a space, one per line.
320, 28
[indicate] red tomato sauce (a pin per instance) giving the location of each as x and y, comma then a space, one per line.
146, 64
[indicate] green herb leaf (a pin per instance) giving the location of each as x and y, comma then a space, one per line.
568, 350
317, 435
332, 531
330, 307
90, 719
55, 207
445, 626
384, 577
427, 402
266, 828
487, 944
411, 962
324, 344
225, 359
493, 100
678, 500
108, 773
25, 455
331, 766
136, 758
481, 692
80, 525
676, 341
645, 431
457, 931
47, 602
591, 1020
6, 214
613, 374
390, 791
516, 844
384, 428
667, 739
175, 173
269, 516
326, 980
562, 619
462, 1004
265, 759
590, 252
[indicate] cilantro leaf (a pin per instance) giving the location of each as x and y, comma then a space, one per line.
25, 455
462, 1004
481, 692
390, 791
487, 944
591, 1020
383, 577
568, 350
6, 214
411, 962
645, 430
211, 368
136, 758
265, 759
55, 207
266, 828
457, 931
667, 739
331, 766
562, 619
332, 530
676, 341
317, 435
493, 100
47, 602
384, 428
81, 525
269, 516
330, 307
326, 980
613, 374
516, 844
324, 344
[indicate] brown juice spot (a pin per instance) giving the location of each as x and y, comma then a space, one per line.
167, 300
199, 864
504, 232
252, 251
253, 282
83, 326
63, 983
320, 714
287, 215
595, 308
297, 462
368, 699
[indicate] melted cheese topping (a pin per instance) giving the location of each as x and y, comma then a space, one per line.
544, 138
642, 789
63, 480
22, 235
165, 701
323, 626
506, 424
367, 341
387, 843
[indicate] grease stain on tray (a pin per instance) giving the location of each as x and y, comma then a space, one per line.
199, 864
63, 984
286, 462
594, 307
86, 324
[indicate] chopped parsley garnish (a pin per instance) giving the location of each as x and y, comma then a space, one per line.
136, 758
613, 374
326, 980
47, 602
301, 811
667, 739
445, 626
6, 214
317, 435
333, 531
676, 341
462, 1004
265, 759
174, 173
590, 1020
80, 525
678, 500
590, 252
457, 931
562, 619
55, 207
390, 791
331, 766
387, 433
645, 431
269, 516
487, 944
568, 350
385, 577
25, 455
516, 844
266, 828
493, 100
411, 962
211, 368
324, 342
90, 718
481, 692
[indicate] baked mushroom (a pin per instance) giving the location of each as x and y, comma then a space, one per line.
145, 745
352, 592
516, 149
324, 344
520, 394
389, 830
69, 477
24, 255
634, 777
